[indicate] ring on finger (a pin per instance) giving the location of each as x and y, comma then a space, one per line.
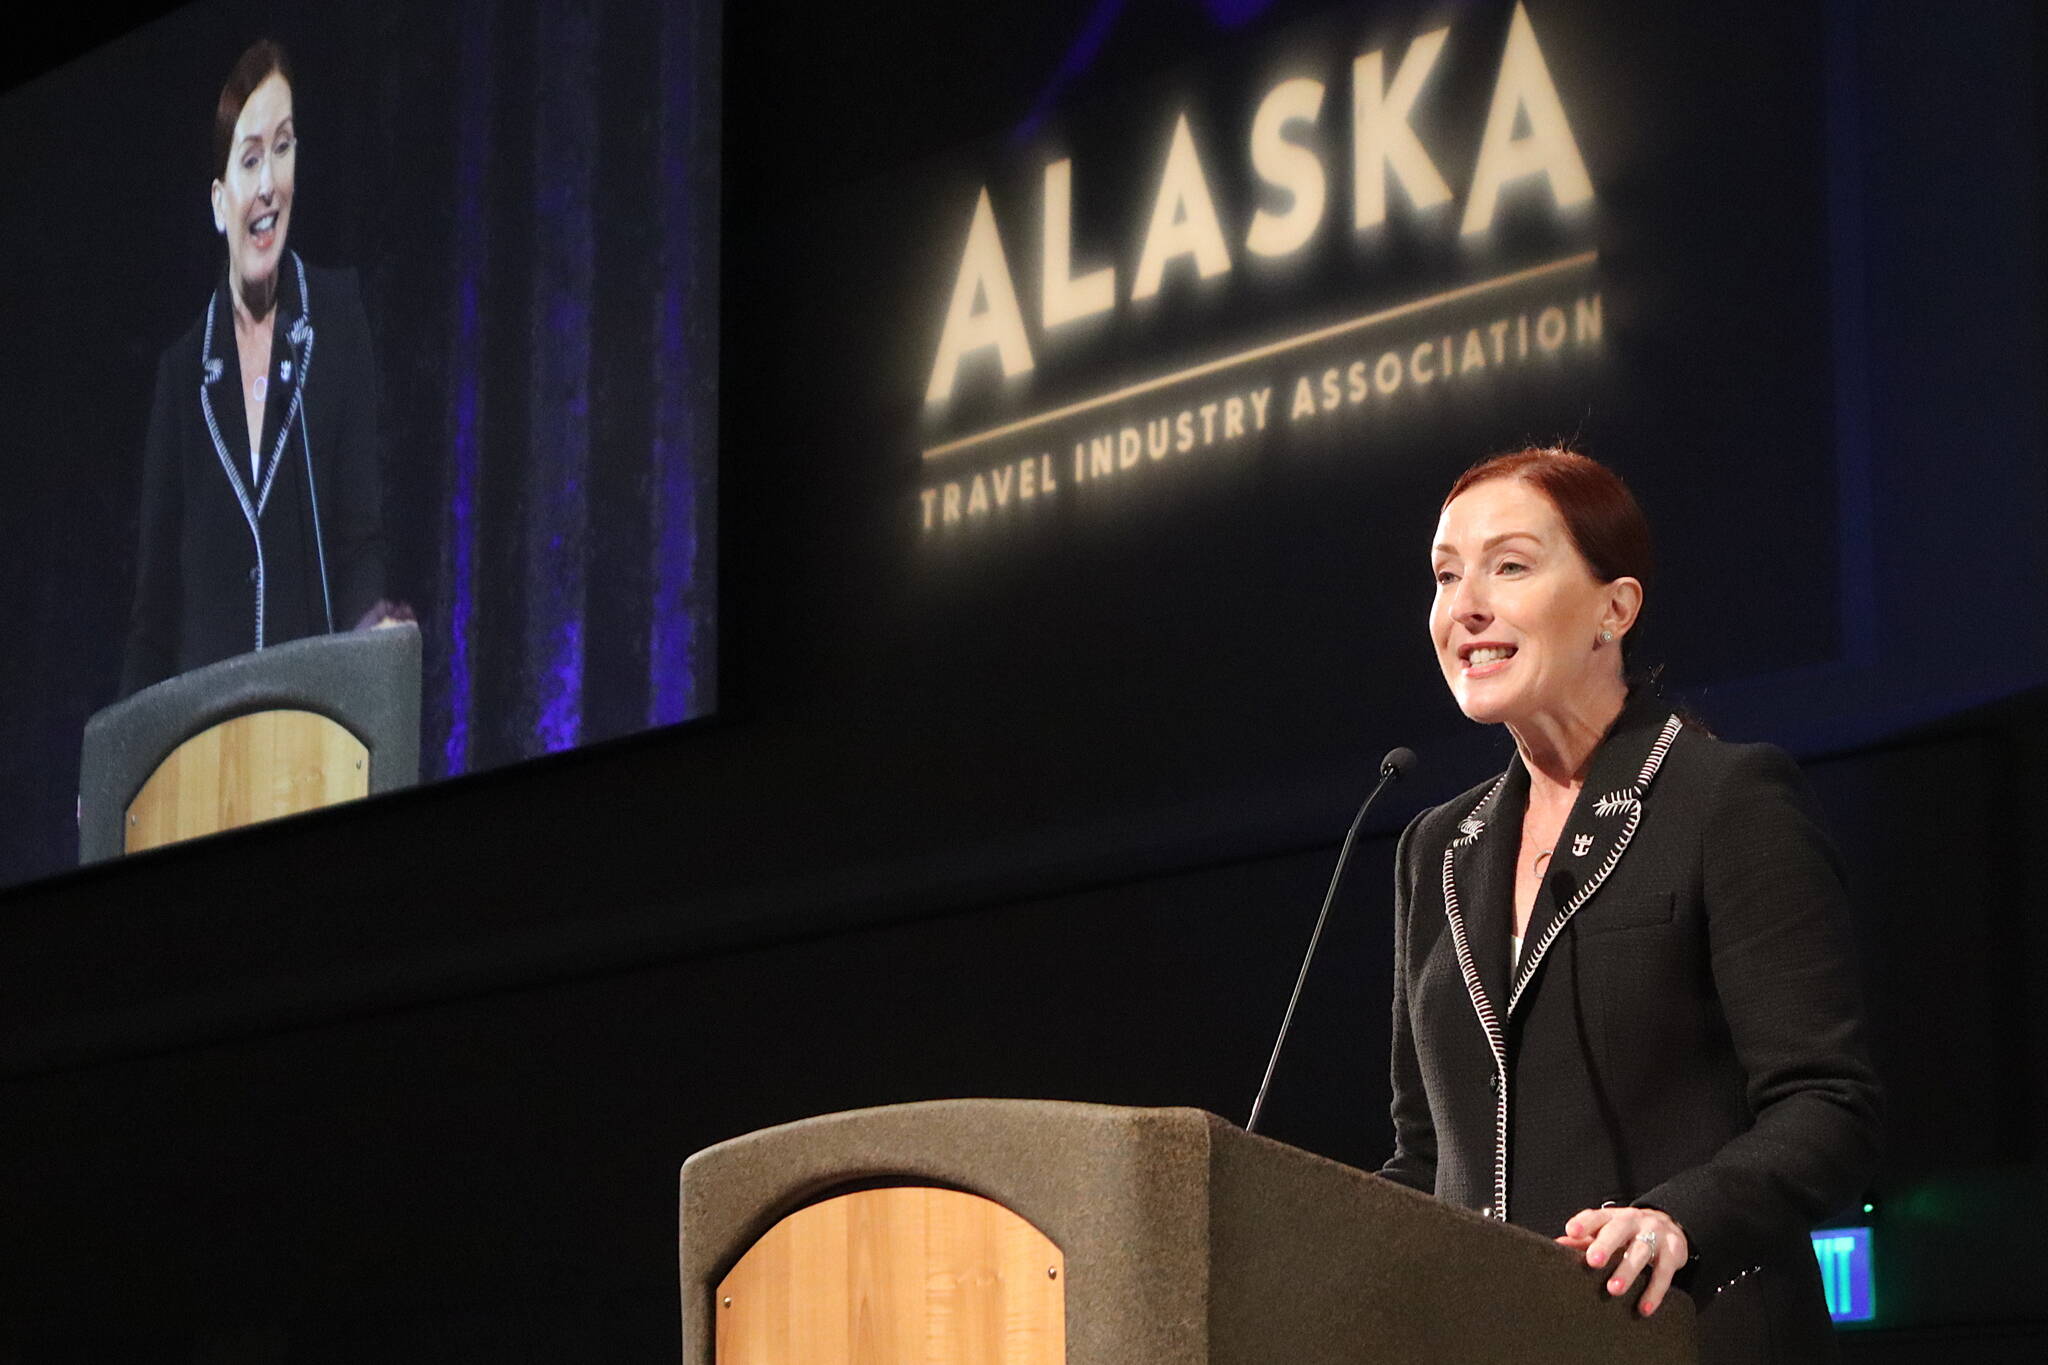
1648, 1238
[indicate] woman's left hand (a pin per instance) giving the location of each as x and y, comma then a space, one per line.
1627, 1239
385, 613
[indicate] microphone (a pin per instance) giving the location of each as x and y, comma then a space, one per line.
1397, 763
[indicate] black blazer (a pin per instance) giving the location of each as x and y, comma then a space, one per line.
228, 562
1684, 1030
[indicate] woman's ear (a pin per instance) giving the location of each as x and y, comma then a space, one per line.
220, 208
1624, 605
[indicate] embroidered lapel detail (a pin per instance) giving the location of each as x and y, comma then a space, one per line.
299, 337
1628, 803
212, 368
1490, 1023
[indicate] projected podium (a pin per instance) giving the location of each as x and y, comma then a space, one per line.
285, 729
1023, 1232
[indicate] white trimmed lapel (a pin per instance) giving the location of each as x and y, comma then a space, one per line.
296, 342
220, 399
291, 361
1479, 900
1603, 822
220, 389
1479, 883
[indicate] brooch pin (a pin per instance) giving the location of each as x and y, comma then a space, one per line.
213, 370
1582, 844
284, 372
1470, 826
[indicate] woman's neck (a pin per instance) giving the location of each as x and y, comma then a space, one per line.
252, 315
1557, 746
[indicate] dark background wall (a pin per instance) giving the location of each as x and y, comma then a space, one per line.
411, 1080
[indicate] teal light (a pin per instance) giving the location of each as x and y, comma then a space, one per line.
1844, 1256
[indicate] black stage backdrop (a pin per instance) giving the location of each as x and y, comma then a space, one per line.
429, 1105
1256, 606
529, 192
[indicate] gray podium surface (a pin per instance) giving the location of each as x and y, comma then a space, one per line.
367, 681
1188, 1241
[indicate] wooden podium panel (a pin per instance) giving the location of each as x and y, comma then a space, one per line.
253, 767
910, 1275
1182, 1240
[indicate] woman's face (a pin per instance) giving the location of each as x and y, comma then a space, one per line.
252, 201
1518, 614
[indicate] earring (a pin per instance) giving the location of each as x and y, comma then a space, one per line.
1606, 637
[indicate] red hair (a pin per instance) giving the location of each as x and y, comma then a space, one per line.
1606, 524
262, 59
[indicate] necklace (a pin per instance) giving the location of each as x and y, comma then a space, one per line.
260, 389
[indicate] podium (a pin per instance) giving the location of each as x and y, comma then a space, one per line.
299, 725
1024, 1232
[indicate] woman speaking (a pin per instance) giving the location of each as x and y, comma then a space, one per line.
261, 517
1625, 1010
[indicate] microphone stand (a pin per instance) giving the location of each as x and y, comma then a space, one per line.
1395, 764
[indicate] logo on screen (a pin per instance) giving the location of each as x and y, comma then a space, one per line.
1345, 144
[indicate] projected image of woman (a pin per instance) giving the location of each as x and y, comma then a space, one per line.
261, 518
1625, 1010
